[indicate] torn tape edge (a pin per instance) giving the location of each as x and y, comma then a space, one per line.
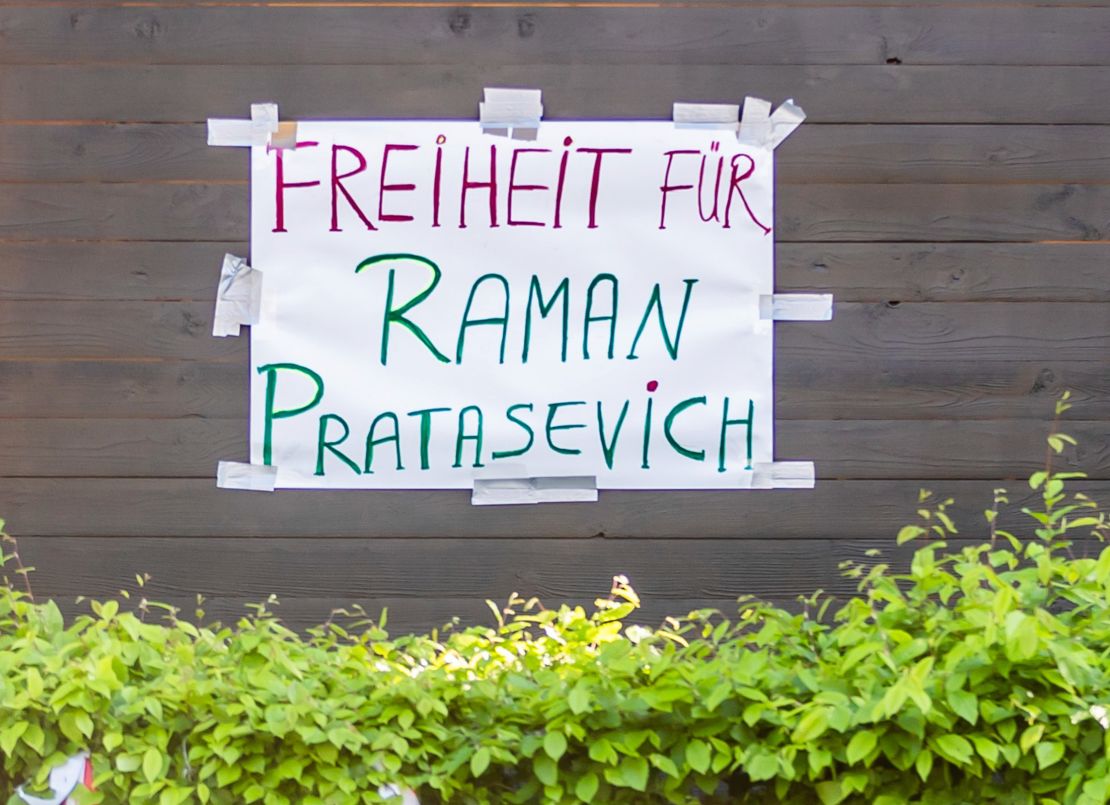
796, 307
784, 475
248, 477
539, 489
504, 110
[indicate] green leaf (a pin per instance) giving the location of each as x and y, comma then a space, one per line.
861, 745
601, 751
697, 755
579, 700
1048, 753
34, 683
479, 762
964, 704
665, 765
634, 773
35, 738
1022, 641
586, 787
909, 532
831, 792
546, 769
811, 726
555, 744
762, 766
152, 764
10, 735
128, 763
923, 764
1030, 737
987, 749
955, 748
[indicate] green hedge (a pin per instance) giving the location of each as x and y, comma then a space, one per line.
978, 676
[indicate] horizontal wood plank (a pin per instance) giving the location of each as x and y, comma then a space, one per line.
829, 94
346, 34
946, 272
884, 387
860, 332
816, 212
816, 153
844, 449
177, 508
424, 584
854, 272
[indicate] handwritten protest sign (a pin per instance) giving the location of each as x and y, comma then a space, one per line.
441, 304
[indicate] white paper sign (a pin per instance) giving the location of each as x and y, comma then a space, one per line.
441, 303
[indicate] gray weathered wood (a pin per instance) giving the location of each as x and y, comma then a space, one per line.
829, 94
152, 507
824, 153
854, 272
955, 202
424, 583
848, 449
883, 387
764, 34
951, 272
862, 332
817, 212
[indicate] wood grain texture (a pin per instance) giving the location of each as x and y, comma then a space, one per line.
955, 200
341, 34
884, 387
819, 212
424, 583
815, 153
829, 94
859, 332
150, 507
845, 449
854, 272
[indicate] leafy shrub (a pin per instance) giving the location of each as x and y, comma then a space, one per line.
981, 675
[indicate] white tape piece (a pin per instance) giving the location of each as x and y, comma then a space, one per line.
755, 122
513, 491
762, 129
707, 116
238, 298
796, 306
784, 120
285, 136
63, 781
784, 475
251, 477
515, 112
245, 133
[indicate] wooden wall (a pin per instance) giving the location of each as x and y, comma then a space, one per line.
951, 187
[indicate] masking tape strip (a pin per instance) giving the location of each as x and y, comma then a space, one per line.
252, 477
784, 475
760, 128
796, 306
706, 116
515, 112
285, 136
509, 491
238, 298
256, 131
